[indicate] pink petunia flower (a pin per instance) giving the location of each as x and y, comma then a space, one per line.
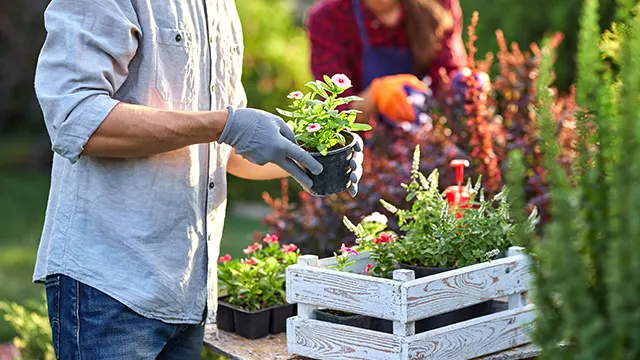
288, 248
367, 268
251, 261
296, 95
224, 259
252, 248
341, 80
346, 249
270, 239
385, 238
313, 127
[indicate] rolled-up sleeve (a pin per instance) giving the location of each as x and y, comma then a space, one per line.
83, 62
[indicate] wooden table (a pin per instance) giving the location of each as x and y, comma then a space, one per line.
274, 347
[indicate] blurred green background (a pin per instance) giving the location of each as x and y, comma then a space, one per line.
276, 62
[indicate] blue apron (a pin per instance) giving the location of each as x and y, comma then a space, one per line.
381, 61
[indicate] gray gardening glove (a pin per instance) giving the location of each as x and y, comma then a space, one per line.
261, 138
356, 166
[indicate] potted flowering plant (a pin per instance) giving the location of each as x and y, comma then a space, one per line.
326, 132
254, 304
372, 235
343, 262
437, 239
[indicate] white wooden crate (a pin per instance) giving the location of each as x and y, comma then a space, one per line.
405, 300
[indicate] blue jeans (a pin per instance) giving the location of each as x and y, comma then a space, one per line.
88, 324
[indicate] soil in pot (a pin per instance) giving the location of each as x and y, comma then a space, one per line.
335, 174
456, 316
252, 324
343, 318
279, 316
224, 316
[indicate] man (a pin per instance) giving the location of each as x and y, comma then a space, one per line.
143, 103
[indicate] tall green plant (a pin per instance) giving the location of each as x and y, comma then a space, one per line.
586, 264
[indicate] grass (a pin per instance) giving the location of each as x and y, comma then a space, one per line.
23, 197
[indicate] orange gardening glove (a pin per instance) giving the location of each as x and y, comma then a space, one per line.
390, 96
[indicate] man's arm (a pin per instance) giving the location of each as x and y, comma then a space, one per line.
137, 131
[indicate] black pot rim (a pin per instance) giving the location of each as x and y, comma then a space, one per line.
234, 307
342, 149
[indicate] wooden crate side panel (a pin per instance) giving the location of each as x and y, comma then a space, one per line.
362, 259
364, 295
326, 341
467, 286
474, 338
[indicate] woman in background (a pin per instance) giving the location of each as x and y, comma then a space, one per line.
386, 47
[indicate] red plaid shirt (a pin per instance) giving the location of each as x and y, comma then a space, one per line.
336, 46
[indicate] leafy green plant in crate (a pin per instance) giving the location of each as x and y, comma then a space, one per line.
586, 265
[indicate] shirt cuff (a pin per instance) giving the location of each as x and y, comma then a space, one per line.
74, 133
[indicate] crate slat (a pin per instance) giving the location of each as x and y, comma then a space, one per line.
365, 295
326, 341
466, 286
474, 338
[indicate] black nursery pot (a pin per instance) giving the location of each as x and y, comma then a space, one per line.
335, 174
359, 321
224, 316
456, 316
279, 316
252, 324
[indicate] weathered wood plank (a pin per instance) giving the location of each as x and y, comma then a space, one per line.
467, 286
326, 341
274, 347
470, 339
360, 294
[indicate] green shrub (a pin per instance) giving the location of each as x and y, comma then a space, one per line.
525, 22
586, 265
32, 327
276, 53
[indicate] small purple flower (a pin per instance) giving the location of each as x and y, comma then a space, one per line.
345, 249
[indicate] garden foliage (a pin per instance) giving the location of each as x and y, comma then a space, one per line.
33, 332
469, 123
586, 265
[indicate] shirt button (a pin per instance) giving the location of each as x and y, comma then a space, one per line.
211, 185
178, 38
213, 88
211, 40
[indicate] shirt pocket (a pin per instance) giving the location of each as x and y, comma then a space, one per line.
176, 65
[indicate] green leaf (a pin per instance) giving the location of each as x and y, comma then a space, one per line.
322, 89
360, 127
284, 112
314, 102
313, 86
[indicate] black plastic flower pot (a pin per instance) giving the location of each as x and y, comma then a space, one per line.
336, 317
252, 324
334, 177
279, 316
224, 316
453, 317
382, 325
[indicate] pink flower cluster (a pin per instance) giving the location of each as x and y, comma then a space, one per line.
252, 248
270, 239
345, 249
289, 248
